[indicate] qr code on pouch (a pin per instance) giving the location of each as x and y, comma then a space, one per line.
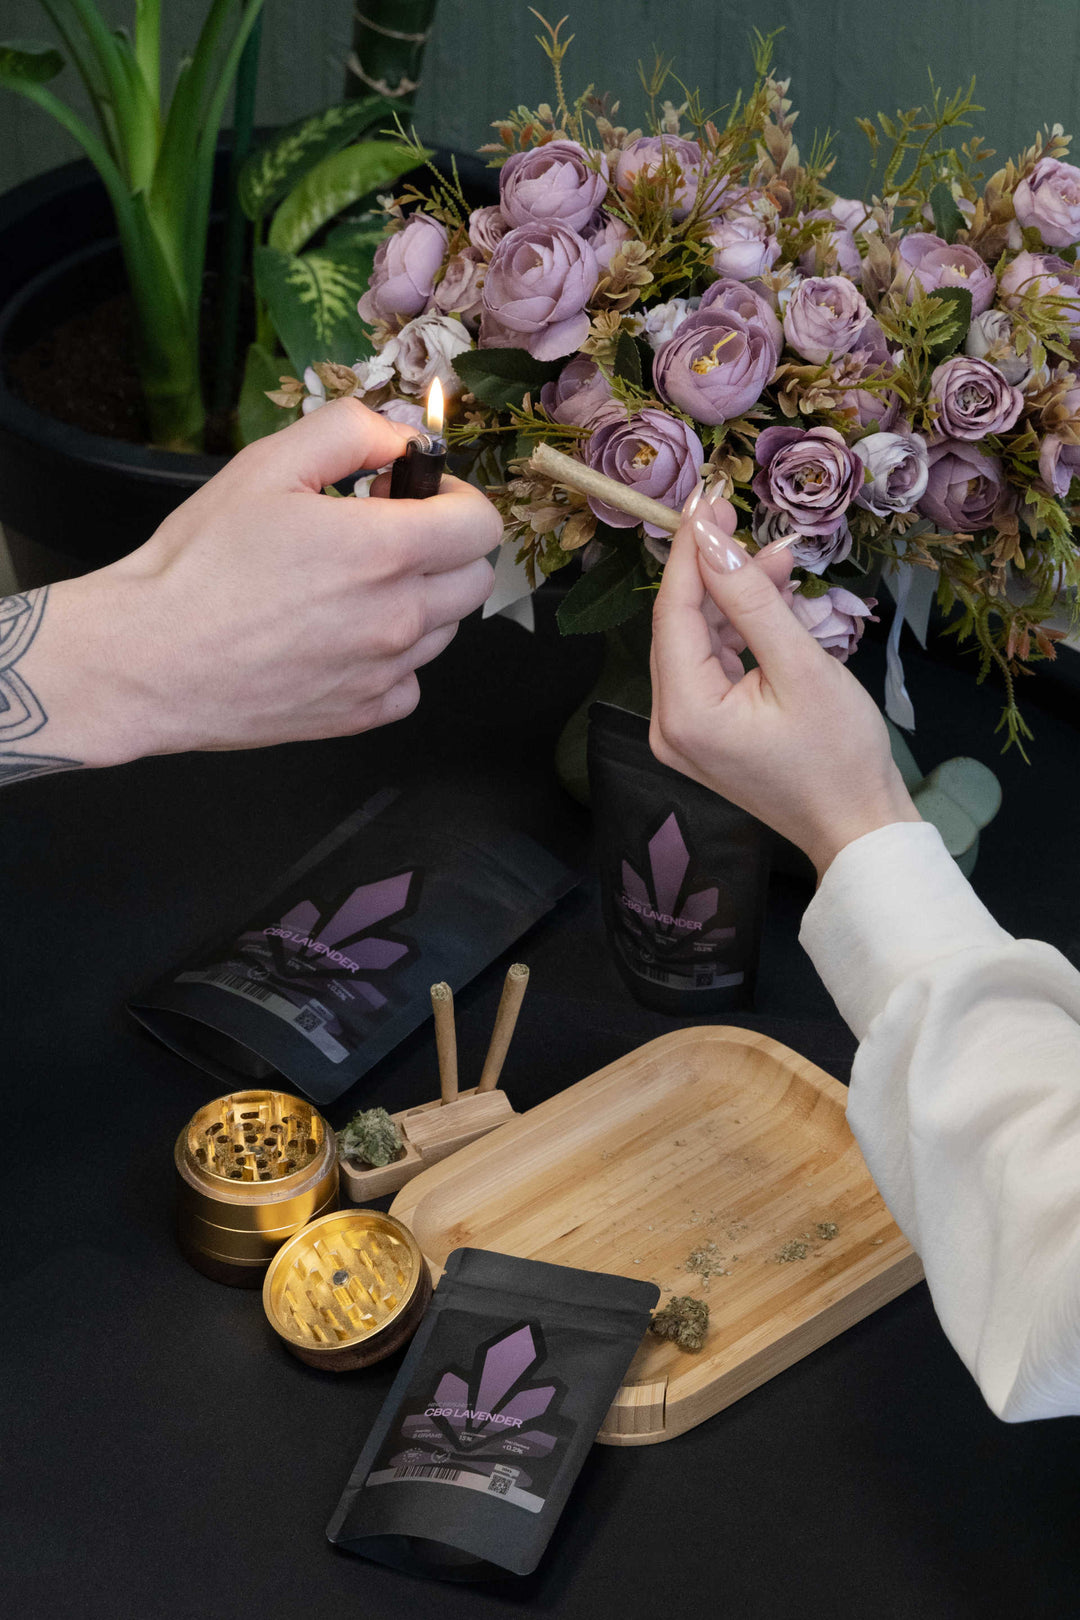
502, 1478
307, 1019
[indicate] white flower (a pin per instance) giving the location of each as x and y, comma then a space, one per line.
990, 338
424, 348
663, 320
316, 393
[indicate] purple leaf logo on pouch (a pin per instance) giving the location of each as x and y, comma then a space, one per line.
349, 942
670, 910
500, 1409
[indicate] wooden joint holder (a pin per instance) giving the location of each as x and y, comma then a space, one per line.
430, 1132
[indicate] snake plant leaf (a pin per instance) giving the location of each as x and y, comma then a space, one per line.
27, 62
312, 302
271, 171
337, 182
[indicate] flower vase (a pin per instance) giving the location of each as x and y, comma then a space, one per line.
623, 680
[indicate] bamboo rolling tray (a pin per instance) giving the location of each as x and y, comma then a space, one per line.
713, 1145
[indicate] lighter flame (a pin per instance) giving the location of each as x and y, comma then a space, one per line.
434, 412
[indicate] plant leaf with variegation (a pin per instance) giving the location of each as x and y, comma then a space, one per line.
28, 62
271, 171
312, 302
337, 182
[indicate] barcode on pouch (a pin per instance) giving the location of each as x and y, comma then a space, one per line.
246, 987
448, 1476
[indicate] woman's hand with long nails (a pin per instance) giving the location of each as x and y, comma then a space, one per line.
796, 741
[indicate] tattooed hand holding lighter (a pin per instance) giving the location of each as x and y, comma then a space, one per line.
418, 472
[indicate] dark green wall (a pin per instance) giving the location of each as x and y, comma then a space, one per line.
844, 57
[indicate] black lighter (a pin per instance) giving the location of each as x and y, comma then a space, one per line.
417, 473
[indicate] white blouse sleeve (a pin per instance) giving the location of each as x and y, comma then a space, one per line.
965, 1100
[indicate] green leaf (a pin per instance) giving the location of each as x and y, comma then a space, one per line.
354, 237
335, 183
628, 360
258, 416
312, 303
607, 595
952, 322
28, 62
947, 217
273, 169
502, 377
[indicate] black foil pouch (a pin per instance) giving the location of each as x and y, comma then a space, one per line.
502, 1392
683, 874
335, 966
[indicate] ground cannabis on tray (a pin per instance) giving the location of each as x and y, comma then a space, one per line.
372, 1137
684, 1320
707, 1262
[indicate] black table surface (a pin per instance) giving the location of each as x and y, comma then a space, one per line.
164, 1456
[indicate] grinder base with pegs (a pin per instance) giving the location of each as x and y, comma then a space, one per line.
347, 1290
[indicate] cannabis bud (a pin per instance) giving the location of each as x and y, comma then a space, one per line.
684, 1320
372, 1137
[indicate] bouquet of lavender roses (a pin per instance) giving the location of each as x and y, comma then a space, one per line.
895, 381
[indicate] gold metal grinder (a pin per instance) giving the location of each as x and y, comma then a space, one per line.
347, 1290
252, 1168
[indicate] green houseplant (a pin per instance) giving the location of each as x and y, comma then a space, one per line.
155, 156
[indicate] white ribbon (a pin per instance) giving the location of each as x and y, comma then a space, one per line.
913, 591
512, 593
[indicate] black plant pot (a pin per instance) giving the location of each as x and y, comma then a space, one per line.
89, 498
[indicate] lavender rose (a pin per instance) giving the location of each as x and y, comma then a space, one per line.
824, 316
814, 552
973, 399
403, 410
654, 453
459, 291
607, 237
1059, 464
403, 275
837, 244
870, 355
965, 487
1045, 276
537, 285
752, 303
852, 215
934, 263
742, 245
578, 392
487, 227
1048, 200
813, 476
554, 184
1059, 461
835, 620
897, 470
990, 338
676, 160
716, 365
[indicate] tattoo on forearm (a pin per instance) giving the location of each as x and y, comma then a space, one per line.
21, 712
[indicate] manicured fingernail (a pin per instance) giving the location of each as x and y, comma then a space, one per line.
720, 550
691, 501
